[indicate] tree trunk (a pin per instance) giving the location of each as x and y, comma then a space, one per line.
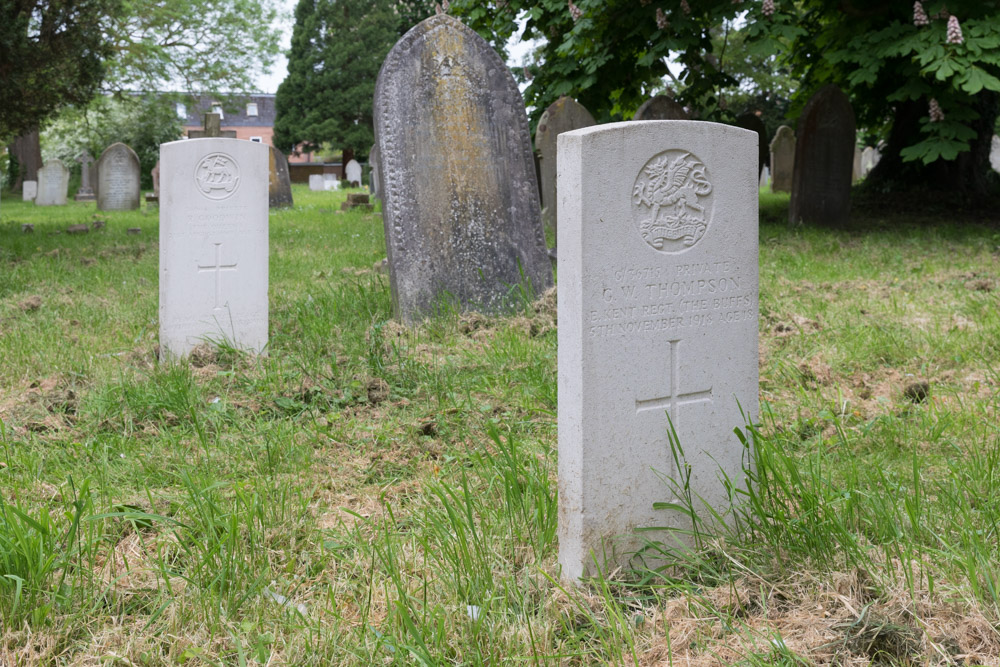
964, 176
347, 156
27, 150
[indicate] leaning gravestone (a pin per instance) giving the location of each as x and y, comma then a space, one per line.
29, 190
316, 182
118, 179
563, 115
353, 173
752, 122
279, 185
460, 204
658, 306
660, 107
782, 159
53, 182
86, 189
213, 245
824, 155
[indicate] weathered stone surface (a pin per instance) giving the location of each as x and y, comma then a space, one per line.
353, 173
373, 184
213, 245
155, 173
29, 190
78, 229
995, 153
316, 182
86, 190
658, 307
824, 155
279, 185
118, 179
660, 107
856, 166
782, 159
53, 183
563, 115
869, 158
212, 129
460, 206
752, 122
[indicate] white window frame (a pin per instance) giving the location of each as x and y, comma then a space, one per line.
258, 140
217, 108
252, 109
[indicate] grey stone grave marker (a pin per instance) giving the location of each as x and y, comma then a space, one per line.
658, 307
782, 159
316, 182
660, 107
373, 184
353, 173
118, 179
995, 153
750, 121
212, 128
824, 154
460, 205
86, 189
563, 115
279, 187
29, 190
213, 245
53, 182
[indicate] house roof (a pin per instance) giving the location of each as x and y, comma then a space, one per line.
234, 111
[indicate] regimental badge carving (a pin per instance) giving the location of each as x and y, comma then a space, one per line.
217, 176
672, 201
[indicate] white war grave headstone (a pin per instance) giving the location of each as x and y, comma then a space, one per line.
316, 182
353, 172
658, 304
460, 206
29, 190
118, 179
213, 244
53, 183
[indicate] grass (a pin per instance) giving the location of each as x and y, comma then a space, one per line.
373, 494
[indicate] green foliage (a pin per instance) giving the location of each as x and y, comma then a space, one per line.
337, 49
52, 53
142, 122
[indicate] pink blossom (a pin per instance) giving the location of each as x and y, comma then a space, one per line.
685, 7
934, 110
954, 30
574, 11
661, 19
919, 15
767, 9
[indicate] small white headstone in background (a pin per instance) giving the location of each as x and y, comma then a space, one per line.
658, 303
29, 190
330, 182
213, 244
353, 172
316, 182
53, 183
765, 177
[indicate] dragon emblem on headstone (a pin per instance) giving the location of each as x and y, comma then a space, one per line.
669, 201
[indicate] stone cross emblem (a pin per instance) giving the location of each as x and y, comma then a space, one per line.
213, 128
671, 401
217, 268
85, 187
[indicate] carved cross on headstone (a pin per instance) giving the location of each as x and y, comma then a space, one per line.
213, 128
217, 269
86, 191
671, 401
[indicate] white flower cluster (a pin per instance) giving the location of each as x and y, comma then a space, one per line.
685, 7
767, 9
574, 11
934, 110
919, 15
661, 19
954, 30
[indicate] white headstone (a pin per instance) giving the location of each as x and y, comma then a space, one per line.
995, 153
353, 172
316, 182
658, 303
29, 190
765, 177
867, 160
53, 182
213, 244
330, 182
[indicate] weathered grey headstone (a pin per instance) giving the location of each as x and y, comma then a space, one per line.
86, 189
658, 306
824, 155
316, 182
750, 121
53, 182
460, 206
155, 173
353, 172
213, 128
660, 107
373, 184
995, 153
856, 166
765, 177
213, 245
29, 190
279, 188
118, 179
867, 160
563, 115
782, 159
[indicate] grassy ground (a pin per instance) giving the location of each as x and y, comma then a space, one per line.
370, 494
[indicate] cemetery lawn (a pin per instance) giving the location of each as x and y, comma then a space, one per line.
372, 494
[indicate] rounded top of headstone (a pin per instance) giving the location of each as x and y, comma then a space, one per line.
118, 148
830, 99
562, 115
660, 107
784, 132
53, 163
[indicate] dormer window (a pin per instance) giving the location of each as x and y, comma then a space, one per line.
252, 109
181, 110
217, 108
